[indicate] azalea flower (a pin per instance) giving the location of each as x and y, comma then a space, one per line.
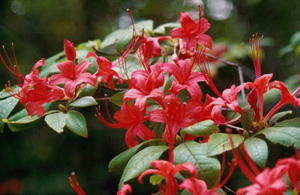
293, 171
145, 85
105, 70
168, 171
71, 74
132, 119
175, 114
124, 189
269, 181
192, 32
196, 187
186, 77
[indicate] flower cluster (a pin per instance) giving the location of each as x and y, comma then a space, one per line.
166, 108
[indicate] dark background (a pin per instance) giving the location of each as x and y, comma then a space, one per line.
40, 159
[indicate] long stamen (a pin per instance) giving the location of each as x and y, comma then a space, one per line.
243, 167
75, 185
256, 47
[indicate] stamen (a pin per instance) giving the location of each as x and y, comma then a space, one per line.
75, 185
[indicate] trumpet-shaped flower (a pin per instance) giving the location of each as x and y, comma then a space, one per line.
168, 171
71, 74
132, 119
192, 32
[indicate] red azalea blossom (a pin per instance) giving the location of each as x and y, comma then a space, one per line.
293, 171
132, 119
192, 32
186, 78
145, 85
196, 187
72, 74
168, 171
105, 70
267, 182
124, 189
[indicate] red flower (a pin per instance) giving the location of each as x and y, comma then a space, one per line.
168, 171
267, 182
192, 32
105, 70
124, 189
186, 78
196, 186
145, 85
175, 114
72, 74
293, 171
132, 119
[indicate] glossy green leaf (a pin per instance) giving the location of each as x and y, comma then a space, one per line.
84, 102
6, 106
216, 142
191, 151
117, 98
295, 39
286, 136
120, 161
50, 67
295, 122
162, 28
122, 37
141, 162
76, 123
88, 90
203, 128
27, 122
276, 117
90, 45
258, 151
56, 121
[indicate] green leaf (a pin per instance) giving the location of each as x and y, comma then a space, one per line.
122, 37
51, 65
295, 122
140, 162
276, 117
117, 98
84, 102
56, 121
119, 161
216, 142
162, 28
6, 106
76, 123
88, 90
258, 151
27, 122
295, 39
286, 136
208, 167
203, 128
285, 50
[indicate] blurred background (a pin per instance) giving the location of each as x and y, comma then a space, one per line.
39, 161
